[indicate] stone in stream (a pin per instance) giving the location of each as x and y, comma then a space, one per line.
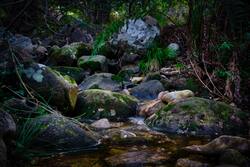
136, 35
58, 90
100, 81
184, 162
66, 55
56, 133
93, 63
220, 145
96, 104
147, 90
199, 117
101, 124
137, 158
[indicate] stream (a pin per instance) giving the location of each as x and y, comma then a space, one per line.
128, 143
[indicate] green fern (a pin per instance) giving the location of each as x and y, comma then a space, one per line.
103, 37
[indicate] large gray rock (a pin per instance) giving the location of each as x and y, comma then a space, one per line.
96, 104
93, 63
136, 35
59, 90
199, 117
147, 90
100, 81
57, 133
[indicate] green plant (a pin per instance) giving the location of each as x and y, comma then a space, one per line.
179, 66
103, 37
156, 57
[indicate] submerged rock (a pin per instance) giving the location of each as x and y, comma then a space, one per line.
61, 91
100, 81
93, 63
136, 158
198, 117
147, 90
56, 133
136, 35
96, 104
220, 145
183, 162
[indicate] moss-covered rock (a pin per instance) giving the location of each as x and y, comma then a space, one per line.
56, 133
96, 104
199, 117
67, 54
93, 63
56, 89
76, 73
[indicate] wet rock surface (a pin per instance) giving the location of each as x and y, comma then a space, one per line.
96, 104
61, 90
57, 133
198, 117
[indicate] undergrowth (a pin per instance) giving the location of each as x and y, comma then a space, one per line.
155, 57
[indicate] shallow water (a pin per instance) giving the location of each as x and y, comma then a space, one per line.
142, 149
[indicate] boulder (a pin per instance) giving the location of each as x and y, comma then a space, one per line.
56, 133
96, 104
78, 74
184, 162
199, 117
100, 81
93, 63
61, 91
220, 145
147, 90
67, 55
136, 35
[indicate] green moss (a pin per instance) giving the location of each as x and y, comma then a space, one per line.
168, 107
